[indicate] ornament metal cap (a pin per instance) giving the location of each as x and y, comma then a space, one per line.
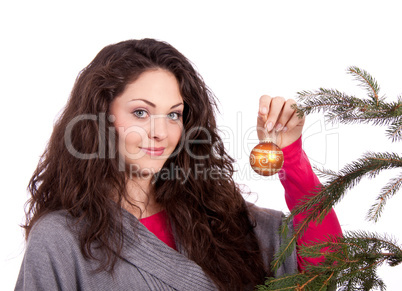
268, 139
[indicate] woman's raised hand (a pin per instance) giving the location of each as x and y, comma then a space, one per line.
275, 114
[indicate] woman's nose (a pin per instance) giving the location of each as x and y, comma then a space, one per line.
158, 127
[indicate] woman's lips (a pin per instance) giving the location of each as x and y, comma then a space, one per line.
153, 151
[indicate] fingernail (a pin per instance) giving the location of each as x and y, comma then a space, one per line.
278, 127
285, 129
269, 126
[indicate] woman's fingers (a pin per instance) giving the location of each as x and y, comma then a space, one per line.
270, 113
276, 113
265, 103
284, 122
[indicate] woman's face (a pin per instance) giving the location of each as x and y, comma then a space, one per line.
148, 119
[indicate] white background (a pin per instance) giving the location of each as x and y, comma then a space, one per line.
243, 49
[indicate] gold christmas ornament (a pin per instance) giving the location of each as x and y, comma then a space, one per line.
266, 158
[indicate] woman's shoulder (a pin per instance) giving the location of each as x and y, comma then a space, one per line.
265, 215
267, 223
53, 256
57, 227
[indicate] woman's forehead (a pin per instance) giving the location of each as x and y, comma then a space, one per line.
156, 87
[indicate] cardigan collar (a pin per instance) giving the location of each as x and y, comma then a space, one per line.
145, 251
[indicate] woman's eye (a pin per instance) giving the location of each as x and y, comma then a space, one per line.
174, 115
140, 113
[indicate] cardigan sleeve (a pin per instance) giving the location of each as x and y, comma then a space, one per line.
298, 180
267, 223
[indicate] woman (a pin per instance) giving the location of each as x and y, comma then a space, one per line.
135, 188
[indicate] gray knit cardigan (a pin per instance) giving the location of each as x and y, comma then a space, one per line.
53, 260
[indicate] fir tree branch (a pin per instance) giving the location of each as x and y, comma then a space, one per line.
350, 261
327, 281
351, 110
351, 247
301, 281
327, 195
308, 282
326, 100
341, 107
387, 192
324, 173
367, 81
394, 132
281, 283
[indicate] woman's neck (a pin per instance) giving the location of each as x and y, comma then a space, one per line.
141, 197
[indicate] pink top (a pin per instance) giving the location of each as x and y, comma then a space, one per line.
158, 224
298, 179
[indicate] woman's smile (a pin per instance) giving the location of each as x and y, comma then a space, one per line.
154, 151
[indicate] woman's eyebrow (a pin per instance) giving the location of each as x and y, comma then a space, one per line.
178, 104
153, 105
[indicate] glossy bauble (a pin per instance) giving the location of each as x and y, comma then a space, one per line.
266, 158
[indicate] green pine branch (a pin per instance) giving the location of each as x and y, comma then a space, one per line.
301, 281
350, 262
327, 195
347, 109
387, 192
367, 82
355, 259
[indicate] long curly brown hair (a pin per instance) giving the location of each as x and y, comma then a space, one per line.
79, 171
